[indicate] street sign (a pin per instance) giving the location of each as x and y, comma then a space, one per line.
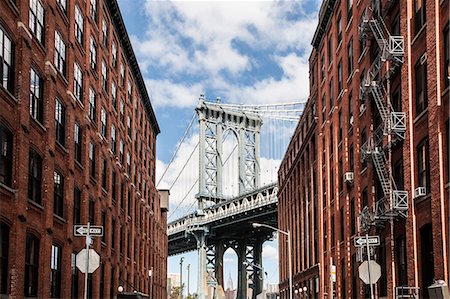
81, 260
82, 230
369, 272
364, 241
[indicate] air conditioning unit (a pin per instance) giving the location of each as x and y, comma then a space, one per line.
348, 177
419, 192
351, 120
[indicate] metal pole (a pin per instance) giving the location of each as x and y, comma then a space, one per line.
151, 283
290, 263
368, 266
181, 276
86, 273
189, 271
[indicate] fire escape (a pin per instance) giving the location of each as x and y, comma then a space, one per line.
392, 130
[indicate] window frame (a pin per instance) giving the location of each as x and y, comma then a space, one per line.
31, 276
60, 122
78, 142
6, 155
55, 271
36, 96
34, 177
421, 88
58, 194
60, 55
7, 60
79, 25
78, 82
36, 20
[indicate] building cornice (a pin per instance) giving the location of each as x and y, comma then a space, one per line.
325, 13
117, 20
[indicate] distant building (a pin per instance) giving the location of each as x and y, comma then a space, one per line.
173, 281
230, 292
77, 145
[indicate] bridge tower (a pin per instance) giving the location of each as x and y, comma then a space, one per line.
214, 120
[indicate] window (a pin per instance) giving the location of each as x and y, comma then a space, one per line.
91, 214
420, 72
113, 187
58, 194
77, 82
350, 109
349, 10
122, 113
113, 139
362, 41
331, 90
76, 206
6, 155
92, 105
36, 96
104, 224
103, 120
351, 159
55, 276
114, 95
102, 280
340, 83
60, 54
402, 269
4, 254
343, 280
92, 159
352, 216
122, 196
104, 171
341, 176
340, 126
114, 54
129, 125
419, 15
63, 5
365, 198
350, 58
34, 177
93, 53
31, 266
74, 291
6, 61
339, 28
104, 76
60, 122
330, 49
446, 56
104, 33
113, 232
111, 287
79, 25
324, 107
423, 165
322, 67
122, 75
363, 141
78, 135
36, 21
130, 91
128, 163
121, 149
93, 9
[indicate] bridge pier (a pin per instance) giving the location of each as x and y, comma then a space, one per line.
242, 270
219, 252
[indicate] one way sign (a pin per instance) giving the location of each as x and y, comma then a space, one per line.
82, 230
367, 240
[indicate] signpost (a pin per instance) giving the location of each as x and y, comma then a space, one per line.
369, 271
83, 259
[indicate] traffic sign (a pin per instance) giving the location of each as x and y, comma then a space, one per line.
94, 260
82, 230
369, 240
333, 273
369, 269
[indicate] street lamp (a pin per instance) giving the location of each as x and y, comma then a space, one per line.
304, 291
288, 234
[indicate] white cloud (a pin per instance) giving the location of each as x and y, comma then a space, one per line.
200, 43
269, 252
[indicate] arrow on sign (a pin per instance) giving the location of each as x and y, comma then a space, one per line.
363, 241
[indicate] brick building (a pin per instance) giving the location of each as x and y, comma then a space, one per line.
77, 135
371, 151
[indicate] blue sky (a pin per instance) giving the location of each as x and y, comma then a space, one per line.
252, 52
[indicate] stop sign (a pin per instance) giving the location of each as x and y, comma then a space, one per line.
94, 260
375, 272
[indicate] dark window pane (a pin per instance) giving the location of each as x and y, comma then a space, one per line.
31, 266
6, 155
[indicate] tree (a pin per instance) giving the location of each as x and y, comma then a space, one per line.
176, 293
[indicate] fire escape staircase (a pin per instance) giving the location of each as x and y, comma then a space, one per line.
395, 202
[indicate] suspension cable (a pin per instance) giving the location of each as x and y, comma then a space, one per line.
176, 150
184, 166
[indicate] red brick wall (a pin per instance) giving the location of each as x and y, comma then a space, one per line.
430, 209
148, 231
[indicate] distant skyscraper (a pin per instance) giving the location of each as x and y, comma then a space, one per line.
230, 282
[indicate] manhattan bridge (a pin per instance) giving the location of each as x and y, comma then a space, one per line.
226, 182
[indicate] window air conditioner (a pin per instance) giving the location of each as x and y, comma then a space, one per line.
419, 192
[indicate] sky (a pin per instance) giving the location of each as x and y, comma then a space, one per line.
252, 52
